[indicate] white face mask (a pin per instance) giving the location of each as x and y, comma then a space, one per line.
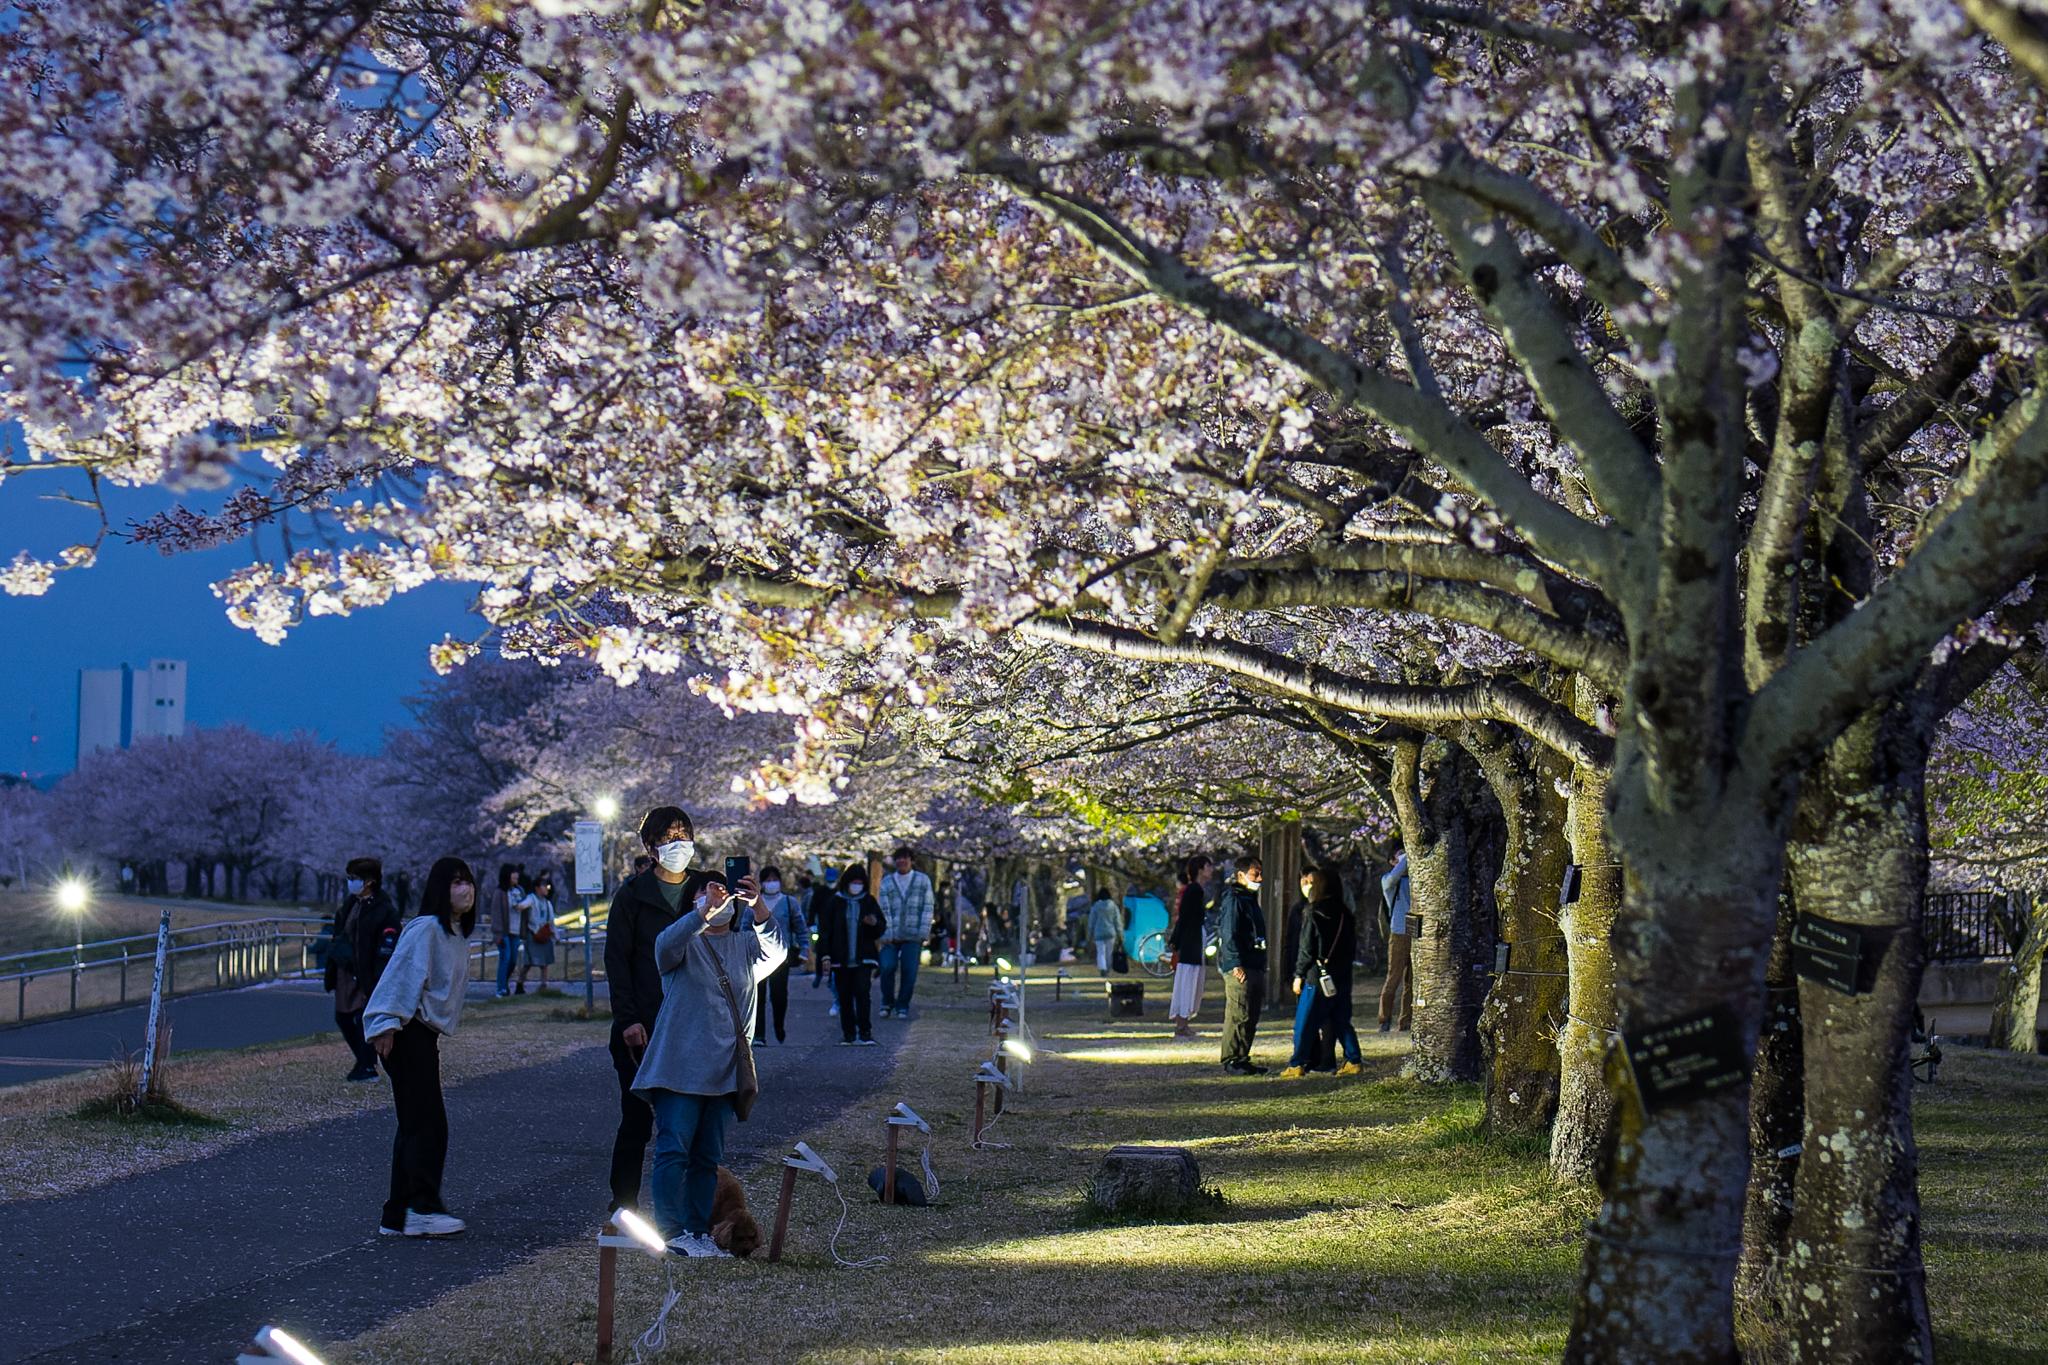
355, 886
855, 888
675, 856
461, 896
771, 888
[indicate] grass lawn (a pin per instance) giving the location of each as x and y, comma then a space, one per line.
250, 1091
1363, 1222
30, 920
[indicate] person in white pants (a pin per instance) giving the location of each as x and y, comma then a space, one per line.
1187, 942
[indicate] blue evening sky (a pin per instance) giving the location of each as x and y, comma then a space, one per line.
341, 677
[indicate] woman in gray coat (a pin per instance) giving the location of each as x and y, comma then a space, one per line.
691, 1071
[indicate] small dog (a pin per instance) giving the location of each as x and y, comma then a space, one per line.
732, 1227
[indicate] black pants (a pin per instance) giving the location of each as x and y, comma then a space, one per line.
855, 987
636, 1129
351, 1026
1242, 1003
420, 1151
774, 991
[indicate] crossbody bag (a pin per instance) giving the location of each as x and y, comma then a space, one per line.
743, 1052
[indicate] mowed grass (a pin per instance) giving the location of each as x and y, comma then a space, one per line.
31, 920
1364, 1221
61, 1136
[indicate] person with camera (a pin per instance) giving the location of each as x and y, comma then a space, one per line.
698, 1069
1322, 980
773, 998
647, 903
1241, 957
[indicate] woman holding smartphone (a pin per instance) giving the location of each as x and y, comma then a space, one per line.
417, 1003
698, 1068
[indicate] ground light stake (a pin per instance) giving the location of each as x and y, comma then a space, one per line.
804, 1160
989, 1076
638, 1235
903, 1116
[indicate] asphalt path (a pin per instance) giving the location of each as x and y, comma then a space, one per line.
212, 1019
186, 1262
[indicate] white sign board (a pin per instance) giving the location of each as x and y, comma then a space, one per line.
589, 858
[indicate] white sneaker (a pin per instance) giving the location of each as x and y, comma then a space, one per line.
834, 1011
433, 1225
695, 1244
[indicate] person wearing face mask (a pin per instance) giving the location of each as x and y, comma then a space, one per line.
698, 1069
1187, 944
365, 934
417, 1003
647, 903
788, 918
907, 904
850, 943
1241, 957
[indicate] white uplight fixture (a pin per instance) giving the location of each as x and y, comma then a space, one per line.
1004, 966
277, 1344
1017, 1048
641, 1231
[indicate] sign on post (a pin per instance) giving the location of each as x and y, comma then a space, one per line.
589, 858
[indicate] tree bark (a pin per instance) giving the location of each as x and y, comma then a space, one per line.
1777, 1128
1657, 1276
1525, 1008
1856, 1288
1439, 828
2016, 1004
1584, 1127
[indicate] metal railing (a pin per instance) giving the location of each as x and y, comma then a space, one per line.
50, 983
1968, 926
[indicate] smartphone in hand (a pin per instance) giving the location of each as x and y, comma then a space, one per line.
735, 869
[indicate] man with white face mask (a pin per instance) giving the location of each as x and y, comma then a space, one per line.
647, 903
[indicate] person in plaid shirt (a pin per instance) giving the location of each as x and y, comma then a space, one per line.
906, 896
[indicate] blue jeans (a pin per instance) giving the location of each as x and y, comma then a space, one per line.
1320, 1024
689, 1142
508, 951
905, 956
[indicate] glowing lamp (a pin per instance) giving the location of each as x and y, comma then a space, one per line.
71, 895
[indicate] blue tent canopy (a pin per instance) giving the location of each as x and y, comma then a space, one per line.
1144, 915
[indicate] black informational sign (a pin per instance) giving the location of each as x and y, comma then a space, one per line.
1569, 890
1686, 1059
1828, 954
1500, 958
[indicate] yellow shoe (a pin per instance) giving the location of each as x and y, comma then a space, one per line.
1351, 1069
1292, 1073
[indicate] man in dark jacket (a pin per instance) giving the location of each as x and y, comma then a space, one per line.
1241, 957
365, 933
850, 922
647, 903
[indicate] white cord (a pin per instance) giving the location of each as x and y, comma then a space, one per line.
654, 1340
865, 1263
982, 1144
931, 1177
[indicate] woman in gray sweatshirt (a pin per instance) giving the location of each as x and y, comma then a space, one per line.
418, 1000
691, 1070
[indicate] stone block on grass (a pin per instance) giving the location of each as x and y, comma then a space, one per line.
1146, 1181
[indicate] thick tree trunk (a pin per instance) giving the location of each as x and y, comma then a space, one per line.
1657, 1276
1524, 1010
1450, 955
1856, 1287
1586, 1096
2016, 1007
1777, 1128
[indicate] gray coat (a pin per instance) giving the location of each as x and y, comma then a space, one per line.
692, 1048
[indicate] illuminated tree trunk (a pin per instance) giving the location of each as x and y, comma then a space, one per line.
1439, 818
1524, 1009
2016, 1006
1586, 1095
1855, 1286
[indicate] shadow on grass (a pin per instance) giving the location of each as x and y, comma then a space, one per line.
162, 1113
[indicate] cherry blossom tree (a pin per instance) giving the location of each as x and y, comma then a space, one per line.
811, 340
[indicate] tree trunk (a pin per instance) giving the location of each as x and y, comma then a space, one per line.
1524, 1010
2016, 1005
1280, 853
1858, 855
1449, 954
1777, 1128
1586, 1098
1657, 1276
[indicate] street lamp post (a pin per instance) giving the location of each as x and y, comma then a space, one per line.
71, 900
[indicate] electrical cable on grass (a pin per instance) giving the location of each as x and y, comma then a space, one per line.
866, 1262
931, 1177
654, 1340
982, 1144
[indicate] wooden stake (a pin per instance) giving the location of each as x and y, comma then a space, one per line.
607, 1285
782, 1213
889, 1169
980, 1097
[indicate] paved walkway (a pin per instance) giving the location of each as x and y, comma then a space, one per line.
269, 1013
184, 1263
